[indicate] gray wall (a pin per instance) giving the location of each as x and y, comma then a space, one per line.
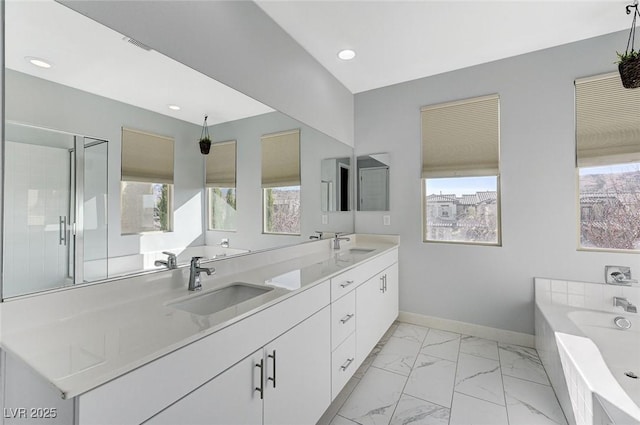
314, 146
493, 286
236, 43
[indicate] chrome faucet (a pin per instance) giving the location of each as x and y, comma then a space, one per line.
317, 236
624, 303
194, 274
337, 239
171, 263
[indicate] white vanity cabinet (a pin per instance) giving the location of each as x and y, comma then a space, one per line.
364, 305
377, 308
286, 382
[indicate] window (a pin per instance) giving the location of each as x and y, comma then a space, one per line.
608, 163
281, 182
221, 186
146, 187
460, 171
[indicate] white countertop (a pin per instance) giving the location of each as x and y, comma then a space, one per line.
81, 338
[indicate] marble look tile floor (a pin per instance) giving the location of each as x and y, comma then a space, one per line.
421, 376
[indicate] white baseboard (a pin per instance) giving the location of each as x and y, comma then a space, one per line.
500, 335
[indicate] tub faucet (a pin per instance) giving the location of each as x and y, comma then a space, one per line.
194, 274
624, 303
171, 263
337, 239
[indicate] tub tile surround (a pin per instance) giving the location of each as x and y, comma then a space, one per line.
575, 363
468, 386
115, 327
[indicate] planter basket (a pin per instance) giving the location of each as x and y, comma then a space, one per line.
205, 146
629, 66
205, 139
630, 73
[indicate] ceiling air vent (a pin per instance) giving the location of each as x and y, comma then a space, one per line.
137, 43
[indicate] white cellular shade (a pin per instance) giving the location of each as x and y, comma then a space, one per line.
607, 121
462, 138
146, 157
281, 159
221, 165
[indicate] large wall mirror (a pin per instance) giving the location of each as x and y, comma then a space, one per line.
73, 87
373, 182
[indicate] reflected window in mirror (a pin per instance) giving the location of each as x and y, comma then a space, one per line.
460, 171
373, 182
281, 182
221, 186
146, 187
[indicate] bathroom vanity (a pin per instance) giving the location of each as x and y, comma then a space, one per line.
143, 350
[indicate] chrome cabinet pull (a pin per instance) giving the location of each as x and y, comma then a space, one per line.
273, 379
346, 318
385, 283
261, 387
382, 284
346, 364
347, 283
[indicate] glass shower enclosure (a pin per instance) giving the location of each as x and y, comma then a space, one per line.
55, 221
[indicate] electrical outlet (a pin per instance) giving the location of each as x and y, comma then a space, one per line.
325, 219
386, 220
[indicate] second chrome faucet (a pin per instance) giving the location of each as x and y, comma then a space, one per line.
194, 273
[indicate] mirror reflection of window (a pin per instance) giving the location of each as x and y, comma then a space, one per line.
221, 186
146, 188
281, 182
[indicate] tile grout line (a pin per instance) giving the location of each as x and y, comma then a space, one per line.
504, 390
455, 375
407, 380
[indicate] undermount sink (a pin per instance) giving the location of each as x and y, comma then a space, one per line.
357, 251
218, 300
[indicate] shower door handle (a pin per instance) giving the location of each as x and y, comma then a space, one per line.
62, 230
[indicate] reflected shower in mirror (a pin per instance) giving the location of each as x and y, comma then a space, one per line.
55, 225
373, 182
335, 180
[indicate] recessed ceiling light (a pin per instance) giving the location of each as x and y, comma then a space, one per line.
38, 62
346, 54
174, 107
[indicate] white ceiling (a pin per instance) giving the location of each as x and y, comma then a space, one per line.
93, 58
398, 41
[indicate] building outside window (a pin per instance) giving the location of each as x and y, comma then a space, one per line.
608, 164
146, 186
460, 171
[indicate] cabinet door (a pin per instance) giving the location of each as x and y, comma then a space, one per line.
390, 310
229, 399
376, 309
369, 319
298, 388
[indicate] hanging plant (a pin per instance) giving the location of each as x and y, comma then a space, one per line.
205, 139
629, 61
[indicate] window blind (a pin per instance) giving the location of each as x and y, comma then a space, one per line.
221, 165
281, 159
146, 157
607, 121
462, 138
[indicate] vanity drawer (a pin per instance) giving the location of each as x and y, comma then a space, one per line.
343, 320
349, 280
343, 364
